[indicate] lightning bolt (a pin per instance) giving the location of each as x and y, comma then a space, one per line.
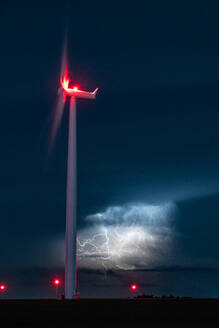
108, 247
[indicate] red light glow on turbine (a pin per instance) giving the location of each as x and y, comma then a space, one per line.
2, 288
56, 282
65, 84
74, 90
134, 287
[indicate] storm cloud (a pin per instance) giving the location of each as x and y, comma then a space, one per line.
128, 237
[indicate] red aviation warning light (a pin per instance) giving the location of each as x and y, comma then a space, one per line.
56, 282
2, 287
134, 287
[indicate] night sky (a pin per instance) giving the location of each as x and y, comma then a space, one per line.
148, 146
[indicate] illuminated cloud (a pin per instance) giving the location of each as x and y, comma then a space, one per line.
128, 237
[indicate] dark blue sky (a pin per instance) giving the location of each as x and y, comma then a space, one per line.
150, 137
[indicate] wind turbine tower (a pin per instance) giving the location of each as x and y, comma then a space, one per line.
71, 190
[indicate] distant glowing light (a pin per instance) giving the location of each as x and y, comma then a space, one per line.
75, 88
57, 282
2, 287
134, 287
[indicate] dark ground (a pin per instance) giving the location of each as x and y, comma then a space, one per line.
110, 313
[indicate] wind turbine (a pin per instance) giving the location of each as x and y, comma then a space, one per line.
71, 189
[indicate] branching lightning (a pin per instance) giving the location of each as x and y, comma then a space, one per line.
102, 246
126, 237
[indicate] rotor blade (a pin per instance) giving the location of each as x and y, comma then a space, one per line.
58, 113
57, 116
61, 99
64, 61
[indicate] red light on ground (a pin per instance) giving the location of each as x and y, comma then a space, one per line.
75, 88
56, 282
2, 288
134, 287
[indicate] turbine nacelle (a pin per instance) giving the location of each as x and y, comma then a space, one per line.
75, 91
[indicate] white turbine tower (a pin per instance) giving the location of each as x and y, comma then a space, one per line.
71, 191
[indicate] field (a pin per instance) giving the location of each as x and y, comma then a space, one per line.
110, 313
